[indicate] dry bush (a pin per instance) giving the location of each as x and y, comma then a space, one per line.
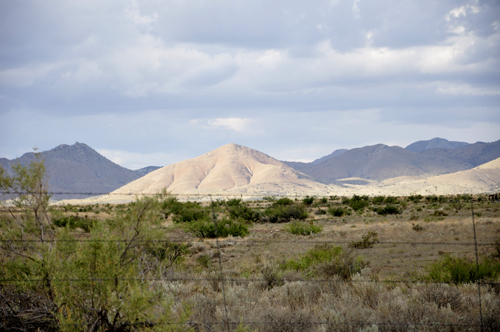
442, 295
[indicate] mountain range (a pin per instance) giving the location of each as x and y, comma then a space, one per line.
235, 169
80, 169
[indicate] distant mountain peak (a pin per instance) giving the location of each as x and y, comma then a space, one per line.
435, 143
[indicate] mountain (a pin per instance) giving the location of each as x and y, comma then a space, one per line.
380, 162
231, 168
79, 169
145, 170
435, 143
482, 179
334, 154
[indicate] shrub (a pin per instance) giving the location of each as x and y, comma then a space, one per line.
367, 241
439, 213
378, 200
243, 212
389, 209
283, 201
74, 222
417, 227
357, 203
391, 200
301, 228
462, 270
225, 227
308, 200
338, 211
327, 261
318, 254
286, 213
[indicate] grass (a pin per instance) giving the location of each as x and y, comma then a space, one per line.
275, 262
302, 228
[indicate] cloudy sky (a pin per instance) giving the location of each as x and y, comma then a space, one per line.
153, 82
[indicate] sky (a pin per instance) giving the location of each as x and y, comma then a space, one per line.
154, 82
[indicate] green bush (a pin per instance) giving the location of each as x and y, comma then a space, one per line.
338, 211
308, 200
283, 201
367, 241
278, 214
326, 260
357, 203
462, 270
302, 228
378, 200
389, 209
318, 254
225, 227
242, 211
74, 222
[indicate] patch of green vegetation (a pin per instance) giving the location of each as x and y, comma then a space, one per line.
302, 228
327, 261
462, 270
74, 222
389, 209
285, 213
225, 227
339, 211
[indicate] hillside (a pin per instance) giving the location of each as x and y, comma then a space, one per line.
380, 162
229, 169
80, 169
435, 143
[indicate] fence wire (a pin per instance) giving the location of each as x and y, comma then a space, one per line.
226, 322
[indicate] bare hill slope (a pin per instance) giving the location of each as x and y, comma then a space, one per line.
230, 168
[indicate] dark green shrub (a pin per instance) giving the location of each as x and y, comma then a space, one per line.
338, 211
167, 251
74, 222
357, 203
234, 202
225, 227
308, 200
367, 241
462, 270
302, 228
243, 212
415, 198
378, 200
286, 213
417, 227
391, 200
439, 213
389, 209
283, 202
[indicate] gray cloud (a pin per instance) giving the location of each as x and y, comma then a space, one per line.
128, 76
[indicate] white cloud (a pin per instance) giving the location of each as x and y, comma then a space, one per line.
236, 124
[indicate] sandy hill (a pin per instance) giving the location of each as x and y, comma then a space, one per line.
231, 168
482, 179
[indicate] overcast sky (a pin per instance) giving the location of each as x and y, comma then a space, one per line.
153, 82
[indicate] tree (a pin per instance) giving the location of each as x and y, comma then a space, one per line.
60, 282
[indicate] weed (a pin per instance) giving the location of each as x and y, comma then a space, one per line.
367, 241
462, 270
417, 227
